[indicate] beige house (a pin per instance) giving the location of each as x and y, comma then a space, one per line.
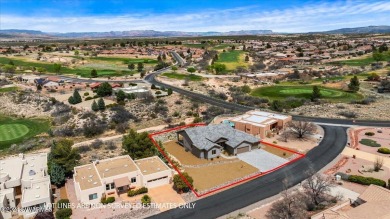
25, 178
259, 123
118, 175
374, 202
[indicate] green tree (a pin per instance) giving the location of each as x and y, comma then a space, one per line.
57, 175
41, 70
247, 58
354, 84
180, 185
374, 77
77, 97
191, 69
57, 67
316, 94
120, 96
94, 106
146, 200
140, 66
219, 68
9, 68
138, 145
277, 105
76, 52
39, 87
131, 66
64, 155
377, 56
233, 47
71, 100
94, 73
105, 89
101, 104
174, 68
170, 91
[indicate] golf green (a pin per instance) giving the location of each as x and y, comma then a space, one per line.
281, 92
12, 131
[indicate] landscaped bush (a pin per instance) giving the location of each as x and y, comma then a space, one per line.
348, 114
88, 98
369, 133
146, 200
63, 213
132, 193
369, 142
384, 150
63, 203
366, 180
108, 200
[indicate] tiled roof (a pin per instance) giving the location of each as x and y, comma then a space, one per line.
375, 193
204, 137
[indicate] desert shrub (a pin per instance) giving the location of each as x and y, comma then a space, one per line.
178, 102
384, 150
88, 98
97, 144
121, 127
110, 145
93, 127
369, 133
348, 114
65, 131
63, 213
366, 180
86, 94
84, 148
139, 191
120, 115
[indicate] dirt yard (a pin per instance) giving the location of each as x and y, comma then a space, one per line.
365, 168
208, 177
276, 151
381, 136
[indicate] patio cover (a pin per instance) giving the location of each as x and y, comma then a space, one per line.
124, 181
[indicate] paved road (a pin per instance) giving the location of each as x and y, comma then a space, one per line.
269, 185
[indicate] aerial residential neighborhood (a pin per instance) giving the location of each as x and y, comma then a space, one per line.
194, 109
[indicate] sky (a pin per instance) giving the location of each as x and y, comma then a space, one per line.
288, 16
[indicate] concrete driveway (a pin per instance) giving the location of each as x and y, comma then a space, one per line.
165, 195
262, 159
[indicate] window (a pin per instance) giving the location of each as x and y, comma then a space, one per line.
110, 186
93, 196
133, 180
213, 151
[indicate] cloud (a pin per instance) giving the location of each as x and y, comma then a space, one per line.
310, 17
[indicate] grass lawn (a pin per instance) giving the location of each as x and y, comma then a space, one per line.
14, 131
360, 62
179, 76
82, 71
369, 142
232, 59
281, 92
125, 60
8, 89
222, 46
207, 177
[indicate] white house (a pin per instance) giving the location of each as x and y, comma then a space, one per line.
118, 175
25, 175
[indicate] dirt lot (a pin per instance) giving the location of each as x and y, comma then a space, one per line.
276, 151
208, 177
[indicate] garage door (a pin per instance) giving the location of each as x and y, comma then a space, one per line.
242, 150
157, 182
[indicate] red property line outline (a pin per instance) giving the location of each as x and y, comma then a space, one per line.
231, 184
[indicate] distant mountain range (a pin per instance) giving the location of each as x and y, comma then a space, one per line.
357, 30
16, 33
131, 33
